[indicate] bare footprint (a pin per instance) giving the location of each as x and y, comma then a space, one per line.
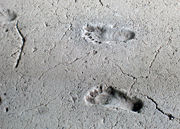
105, 34
112, 99
7, 15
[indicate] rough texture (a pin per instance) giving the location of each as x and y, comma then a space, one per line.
46, 67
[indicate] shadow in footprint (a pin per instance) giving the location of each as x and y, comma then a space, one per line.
104, 34
113, 99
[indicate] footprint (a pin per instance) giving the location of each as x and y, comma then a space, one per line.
7, 15
105, 34
42, 110
112, 99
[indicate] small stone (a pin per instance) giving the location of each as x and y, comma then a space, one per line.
6, 109
34, 49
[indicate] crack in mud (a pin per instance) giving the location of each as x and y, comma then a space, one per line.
23, 40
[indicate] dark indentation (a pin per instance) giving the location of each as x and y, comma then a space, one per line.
0, 100
4, 94
110, 90
91, 94
137, 103
87, 34
130, 35
46, 24
6, 30
113, 91
94, 94
96, 41
100, 88
90, 37
123, 95
91, 100
94, 52
89, 28
100, 29
7, 109
99, 42
12, 15
137, 106
170, 117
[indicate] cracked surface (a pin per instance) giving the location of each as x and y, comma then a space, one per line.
22, 46
170, 116
46, 66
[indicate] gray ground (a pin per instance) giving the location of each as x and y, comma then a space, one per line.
46, 67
